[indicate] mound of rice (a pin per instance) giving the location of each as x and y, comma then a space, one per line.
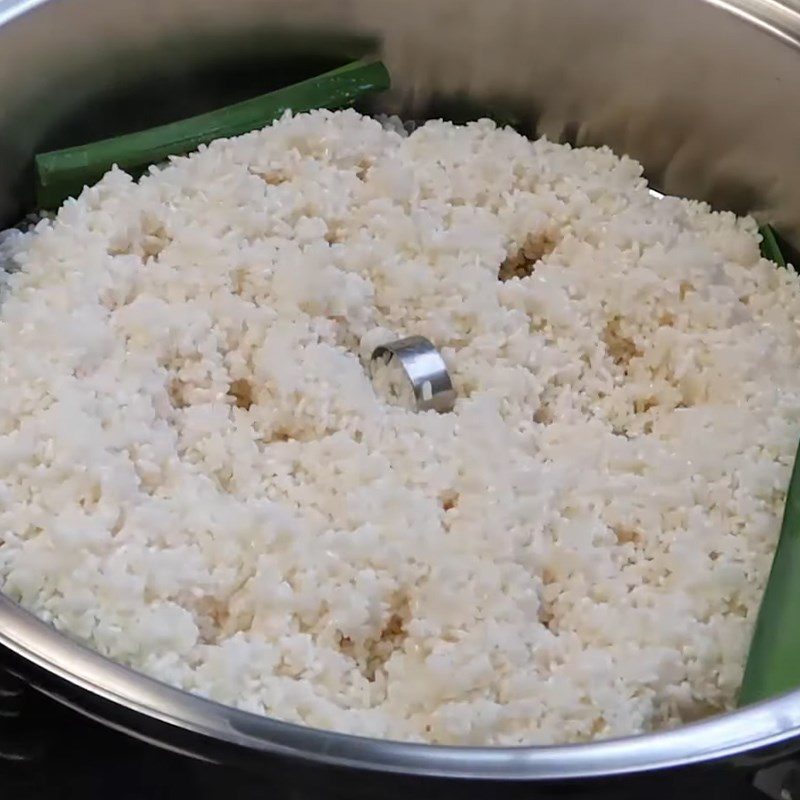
199, 479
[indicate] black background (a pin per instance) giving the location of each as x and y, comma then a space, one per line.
49, 752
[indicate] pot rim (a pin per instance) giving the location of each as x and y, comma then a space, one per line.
763, 725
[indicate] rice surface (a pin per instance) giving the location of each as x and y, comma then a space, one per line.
199, 479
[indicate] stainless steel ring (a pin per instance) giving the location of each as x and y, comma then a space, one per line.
425, 369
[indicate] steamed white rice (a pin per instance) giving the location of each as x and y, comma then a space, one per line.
199, 479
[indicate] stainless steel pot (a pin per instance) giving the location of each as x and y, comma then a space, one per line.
703, 92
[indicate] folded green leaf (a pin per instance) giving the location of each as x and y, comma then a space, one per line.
62, 173
769, 245
773, 664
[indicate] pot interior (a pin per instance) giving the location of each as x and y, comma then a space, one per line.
701, 93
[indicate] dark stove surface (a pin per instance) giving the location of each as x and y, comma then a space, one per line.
49, 752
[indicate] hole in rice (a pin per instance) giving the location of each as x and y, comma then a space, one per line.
211, 616
335, 234
546, 616
391, 639
621, 348
372, 653
522, 262
549, 576
666, 320
449, 499
344, 334
643, 404
736, 607
241, 391
363, 167
177, 391
626, 535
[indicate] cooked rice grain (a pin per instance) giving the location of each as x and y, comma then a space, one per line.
199, 479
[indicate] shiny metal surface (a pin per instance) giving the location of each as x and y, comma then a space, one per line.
703, 92
425, 370
763, 725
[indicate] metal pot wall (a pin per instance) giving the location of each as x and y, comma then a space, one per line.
702, 92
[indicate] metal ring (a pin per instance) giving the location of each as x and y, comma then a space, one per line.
425, 369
